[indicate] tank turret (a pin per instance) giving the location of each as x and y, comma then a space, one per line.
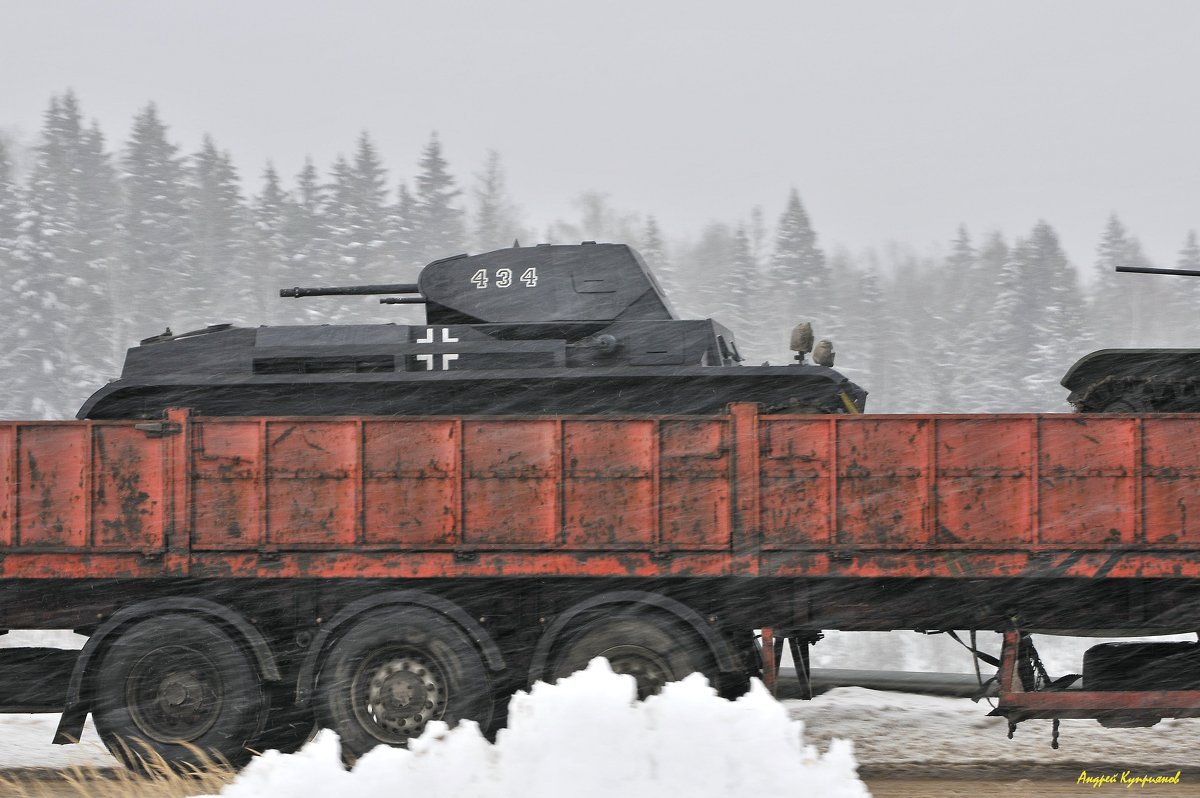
1137, 380
552, 329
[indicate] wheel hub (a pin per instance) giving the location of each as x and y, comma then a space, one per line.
649, 669
403, 694
174, 694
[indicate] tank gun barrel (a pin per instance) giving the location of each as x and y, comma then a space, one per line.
351, 290
1154, 270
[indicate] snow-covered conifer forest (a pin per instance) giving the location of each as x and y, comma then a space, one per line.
104, 241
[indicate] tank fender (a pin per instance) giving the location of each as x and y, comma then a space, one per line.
78, 703
720, 648
416, 598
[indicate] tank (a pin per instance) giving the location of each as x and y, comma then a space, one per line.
551, 329
1137, 380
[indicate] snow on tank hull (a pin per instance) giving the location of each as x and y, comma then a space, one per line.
1136, 381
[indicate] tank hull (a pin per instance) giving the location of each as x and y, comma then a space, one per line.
680, 390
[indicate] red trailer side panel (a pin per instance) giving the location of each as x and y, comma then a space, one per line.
848, 496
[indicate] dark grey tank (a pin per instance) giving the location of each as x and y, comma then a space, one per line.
580, 329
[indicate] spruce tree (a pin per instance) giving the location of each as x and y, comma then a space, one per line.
1189, 256
1055, 318
798, 278
228, 281
67, 247
309, 246
163, 287
744, 296
272, 211
401, 231
20, 311
496, 224
1126, 307
1185, 294
11, 209
438, 228
653, 249
367, 212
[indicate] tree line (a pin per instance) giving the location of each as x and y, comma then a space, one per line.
103, 246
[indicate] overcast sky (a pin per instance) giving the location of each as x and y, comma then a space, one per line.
894, 120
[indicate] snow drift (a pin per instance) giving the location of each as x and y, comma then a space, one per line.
584, 736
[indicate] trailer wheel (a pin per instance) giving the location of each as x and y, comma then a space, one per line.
651, 649
395, 670
173, 686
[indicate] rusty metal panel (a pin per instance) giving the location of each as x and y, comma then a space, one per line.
882, 471
227, 507
511, 476
1087, 480
128, 489
984, 481
310, 491
694, 483
8, 484
411, 481
795, 464
53, 462
608, 491
1171, 480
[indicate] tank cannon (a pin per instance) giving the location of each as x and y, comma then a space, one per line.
552, 329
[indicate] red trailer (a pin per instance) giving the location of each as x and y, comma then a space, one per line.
239, 578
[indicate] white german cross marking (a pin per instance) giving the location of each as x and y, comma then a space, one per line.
429, 360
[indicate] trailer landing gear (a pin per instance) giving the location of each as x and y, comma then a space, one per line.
1027, 692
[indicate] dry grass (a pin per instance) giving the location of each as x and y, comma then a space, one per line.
157, 779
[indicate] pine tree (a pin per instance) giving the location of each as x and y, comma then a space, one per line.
653, 249
1123, 305
798, 278
703, 290
1189, 256
308, 236
272, 212
401, 231
162, 283
367, 212
438, 229
67, 247
960, 343
1185, 295
11, 209
496, 223
1055, 318
20, 312
744, 292
230, 285
100, 219
874, 350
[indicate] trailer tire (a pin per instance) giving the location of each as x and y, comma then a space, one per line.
652, 649
392, 672
175, 686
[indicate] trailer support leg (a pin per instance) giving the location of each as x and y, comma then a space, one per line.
800, 658
770, 660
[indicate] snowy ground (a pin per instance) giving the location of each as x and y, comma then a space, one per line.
907, 733
890, 732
